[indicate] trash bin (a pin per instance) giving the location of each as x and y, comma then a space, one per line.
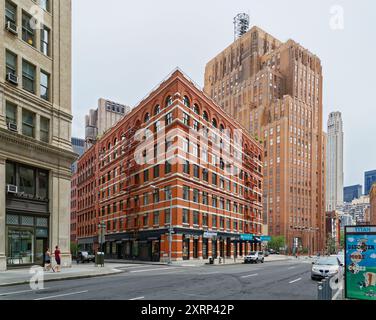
99, 259
211, 260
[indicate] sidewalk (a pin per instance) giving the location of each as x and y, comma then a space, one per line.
23, 276
198, 263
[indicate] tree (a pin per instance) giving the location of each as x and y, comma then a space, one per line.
342, 239
277, 242
74, 249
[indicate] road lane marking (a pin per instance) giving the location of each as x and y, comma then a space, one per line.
62, 295
291, 268
138, 298
146, 270
295, 280
18, 292
251, 275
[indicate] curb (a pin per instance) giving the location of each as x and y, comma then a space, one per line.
62, 279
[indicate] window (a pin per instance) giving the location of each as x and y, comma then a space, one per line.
168, 193
186, 119
186, 102
11, 113
28, 76
28, 123
196, 195
196, 109
214, 221
186, 216
168, 101
156, 171
186, 193
196, 125
28, 34
221, 203
205, 198
157, 126
45, 5
169, 118
205, 175
156, 218
146, 175
196, 171
228, 205
156, 196
204, 155
214, 201
214, 178
44, 129
11, 63
167, 167
205, 219
167, 216
157, 110
27, 180
44, 85
147, 117
146, 199
186, 167
45, 41
10, 12
10, 173
205, 116
186, 145
196, 217
146, 220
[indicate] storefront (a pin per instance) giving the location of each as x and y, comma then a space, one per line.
205, 248
27, 239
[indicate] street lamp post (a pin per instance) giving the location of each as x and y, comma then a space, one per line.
101, 228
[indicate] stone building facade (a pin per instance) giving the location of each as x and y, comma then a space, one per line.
35, 130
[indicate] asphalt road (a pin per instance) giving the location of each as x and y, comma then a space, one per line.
282, 280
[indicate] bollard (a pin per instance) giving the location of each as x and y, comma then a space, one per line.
319, 291
325, 289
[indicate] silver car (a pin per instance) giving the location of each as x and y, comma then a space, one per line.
254, 257
325, 267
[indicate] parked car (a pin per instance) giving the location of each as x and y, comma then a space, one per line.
85, 256
254, 257
266, 253
325, 267
271, 251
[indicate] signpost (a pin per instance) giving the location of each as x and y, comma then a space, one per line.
360, 262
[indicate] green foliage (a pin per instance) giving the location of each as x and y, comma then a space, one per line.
277, 242
74, 249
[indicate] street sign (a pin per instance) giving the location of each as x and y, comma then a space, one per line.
360, 262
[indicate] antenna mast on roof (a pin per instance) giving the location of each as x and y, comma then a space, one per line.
241, 25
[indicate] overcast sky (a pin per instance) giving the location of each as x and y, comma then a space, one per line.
123, 48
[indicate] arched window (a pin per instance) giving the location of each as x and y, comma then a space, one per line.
147, 117
157, 110
196, 109
168, 101
221, 128
186, 102
115, 142
214, 123
205, 116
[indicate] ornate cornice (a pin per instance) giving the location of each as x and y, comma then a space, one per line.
8, 137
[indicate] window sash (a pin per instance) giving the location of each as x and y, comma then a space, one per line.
11, 63
10, 12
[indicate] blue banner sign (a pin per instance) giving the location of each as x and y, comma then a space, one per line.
246, 237
266, 238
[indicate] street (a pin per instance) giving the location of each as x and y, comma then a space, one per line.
280, 280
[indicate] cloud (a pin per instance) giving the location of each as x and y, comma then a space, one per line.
373, 256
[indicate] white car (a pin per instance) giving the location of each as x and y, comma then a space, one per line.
325, 267
254, 257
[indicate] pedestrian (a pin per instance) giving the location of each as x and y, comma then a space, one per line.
47, 261
57, 258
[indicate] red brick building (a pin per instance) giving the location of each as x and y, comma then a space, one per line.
73, 229
176, 157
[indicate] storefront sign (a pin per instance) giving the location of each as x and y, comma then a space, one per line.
246, 237
210, 235
360, 263
266, 238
